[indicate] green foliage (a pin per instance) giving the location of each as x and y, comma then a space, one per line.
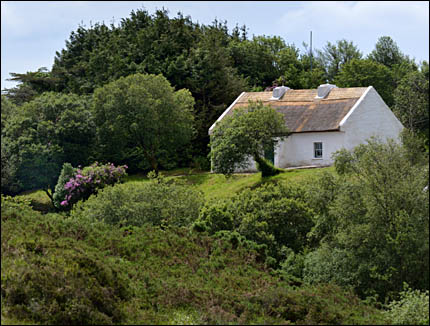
201, 163
8, 108
157, 202
273, 215
323, 304
243, 135
416, 147
334, 56
386, 52
411, 309
31, 84
267, 168
411, 103
50, 277
377, 224
9, 166
44, 133
58, 270
142, 113
364, 73
256, 59
67, 172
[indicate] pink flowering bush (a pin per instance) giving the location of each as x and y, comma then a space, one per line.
87, 181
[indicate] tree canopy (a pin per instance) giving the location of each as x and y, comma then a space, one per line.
43, 133
411, 101
244, 135
141, 116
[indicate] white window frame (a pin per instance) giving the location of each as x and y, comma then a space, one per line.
318, 149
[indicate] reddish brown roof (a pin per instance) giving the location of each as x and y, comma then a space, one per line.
304, 113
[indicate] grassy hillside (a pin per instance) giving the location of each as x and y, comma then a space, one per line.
213, 186
193, 248
217, 186
57, 270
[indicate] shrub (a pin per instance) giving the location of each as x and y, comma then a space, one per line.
62, 270
271, 214
375, 228
67, 173
267, 168
411, 309
50, 276
201, 163
324, 304
86, 182
157, 202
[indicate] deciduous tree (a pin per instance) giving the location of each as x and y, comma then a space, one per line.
142, 116
244, 135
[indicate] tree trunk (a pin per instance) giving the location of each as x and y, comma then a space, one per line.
50, 196
152, 160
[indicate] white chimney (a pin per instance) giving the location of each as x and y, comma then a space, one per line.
278, 92
324, 89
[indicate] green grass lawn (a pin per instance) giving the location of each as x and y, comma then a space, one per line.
212, 185
215, 186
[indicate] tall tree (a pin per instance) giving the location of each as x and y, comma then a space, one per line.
334, 56
411, 101
386, 52
363, 73
141, 120
255, 60
44, 133
30, 85
213, 81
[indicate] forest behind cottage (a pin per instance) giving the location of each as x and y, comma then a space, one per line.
110, 214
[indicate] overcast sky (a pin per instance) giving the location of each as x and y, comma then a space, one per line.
31, 32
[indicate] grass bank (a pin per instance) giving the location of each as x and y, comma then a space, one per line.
213, 186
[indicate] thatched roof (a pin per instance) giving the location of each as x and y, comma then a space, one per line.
303, 112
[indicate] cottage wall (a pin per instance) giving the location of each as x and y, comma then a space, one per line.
298, 148
369, 117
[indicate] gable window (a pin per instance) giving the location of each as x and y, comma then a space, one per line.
318, 150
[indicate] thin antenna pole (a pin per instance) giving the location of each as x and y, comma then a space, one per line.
311, 51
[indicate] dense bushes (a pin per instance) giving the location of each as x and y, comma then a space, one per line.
157, 202
50, 276
42, 134
274, 215
58, 270
374, 228
277, 253
411, 309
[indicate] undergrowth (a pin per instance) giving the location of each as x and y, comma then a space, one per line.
58, 270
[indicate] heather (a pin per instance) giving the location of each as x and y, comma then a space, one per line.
58, 270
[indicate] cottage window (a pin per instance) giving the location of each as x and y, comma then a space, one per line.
318, 150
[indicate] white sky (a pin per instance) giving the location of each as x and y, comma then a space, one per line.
31, 32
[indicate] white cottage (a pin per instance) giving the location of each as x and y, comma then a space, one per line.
323, 121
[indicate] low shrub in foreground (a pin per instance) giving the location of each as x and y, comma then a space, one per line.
78, 184
157, 202
411, 309
51, 277
274, 215
69, 270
